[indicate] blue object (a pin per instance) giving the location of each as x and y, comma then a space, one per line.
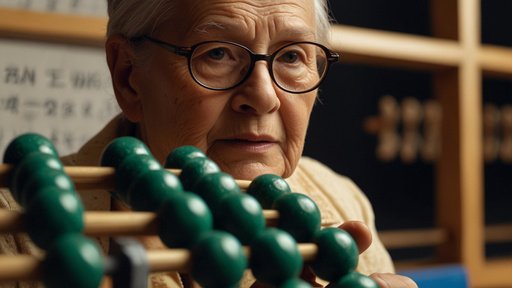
449, 276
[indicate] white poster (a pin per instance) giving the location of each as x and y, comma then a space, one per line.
61, 91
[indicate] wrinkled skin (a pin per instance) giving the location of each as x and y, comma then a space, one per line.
249, 130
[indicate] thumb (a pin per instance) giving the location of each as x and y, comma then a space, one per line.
360, 232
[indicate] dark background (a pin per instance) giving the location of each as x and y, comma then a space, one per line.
402, 194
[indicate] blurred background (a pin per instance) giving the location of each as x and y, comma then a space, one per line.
418, 114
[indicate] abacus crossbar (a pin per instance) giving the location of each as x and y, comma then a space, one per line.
111, 223
25, 267
90, 177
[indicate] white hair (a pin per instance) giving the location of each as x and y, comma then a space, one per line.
134, 18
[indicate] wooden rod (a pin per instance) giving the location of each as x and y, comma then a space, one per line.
116, 223
112, 223
18, 267
179, 259
169, 260
91, 177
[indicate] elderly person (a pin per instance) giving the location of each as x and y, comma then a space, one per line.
237, 79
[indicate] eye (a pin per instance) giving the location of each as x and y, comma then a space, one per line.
217, 53
290, 57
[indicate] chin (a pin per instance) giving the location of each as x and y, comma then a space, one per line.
249, 171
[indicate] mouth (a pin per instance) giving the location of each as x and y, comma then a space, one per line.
250, 143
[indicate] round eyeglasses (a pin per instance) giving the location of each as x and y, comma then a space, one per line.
298, 67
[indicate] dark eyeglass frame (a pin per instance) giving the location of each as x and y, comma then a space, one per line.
187, 52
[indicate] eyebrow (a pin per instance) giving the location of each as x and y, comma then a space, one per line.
290, 31
204, 27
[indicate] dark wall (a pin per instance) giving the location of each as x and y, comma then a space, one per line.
496, 22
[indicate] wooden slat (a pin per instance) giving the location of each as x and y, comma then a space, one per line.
398, 239
496, 60
71, 29
391, 47
470, 145
498, 233
413, 238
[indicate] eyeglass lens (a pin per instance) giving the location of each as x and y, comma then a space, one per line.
296, 67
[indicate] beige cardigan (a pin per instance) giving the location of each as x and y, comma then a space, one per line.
338, 198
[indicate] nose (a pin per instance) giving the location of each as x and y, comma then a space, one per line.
257, 95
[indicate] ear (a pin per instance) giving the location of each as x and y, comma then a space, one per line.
120, 57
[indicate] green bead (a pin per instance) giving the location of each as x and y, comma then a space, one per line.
298, 215
337, 254
354, 280
267, 188
42, 180
183, 219
214, 187
275, 257
149, 191
30, 165
194, 170
218, 260
129, 169
26, 144
295, 283
73, 261
181, 155
53, 213
120, 148
240, 215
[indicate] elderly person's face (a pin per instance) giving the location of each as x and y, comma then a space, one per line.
248, 130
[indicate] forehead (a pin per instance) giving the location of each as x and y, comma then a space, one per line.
242, 16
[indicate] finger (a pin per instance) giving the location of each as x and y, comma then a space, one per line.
389, 280
360, 232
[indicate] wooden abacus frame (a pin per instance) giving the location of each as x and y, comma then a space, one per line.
111, 223
457, 60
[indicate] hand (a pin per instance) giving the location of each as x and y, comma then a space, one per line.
363, 237
360, 232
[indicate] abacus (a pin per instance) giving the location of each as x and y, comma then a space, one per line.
212, 229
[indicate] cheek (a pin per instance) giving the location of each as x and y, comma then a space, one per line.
183, 114
295, 113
